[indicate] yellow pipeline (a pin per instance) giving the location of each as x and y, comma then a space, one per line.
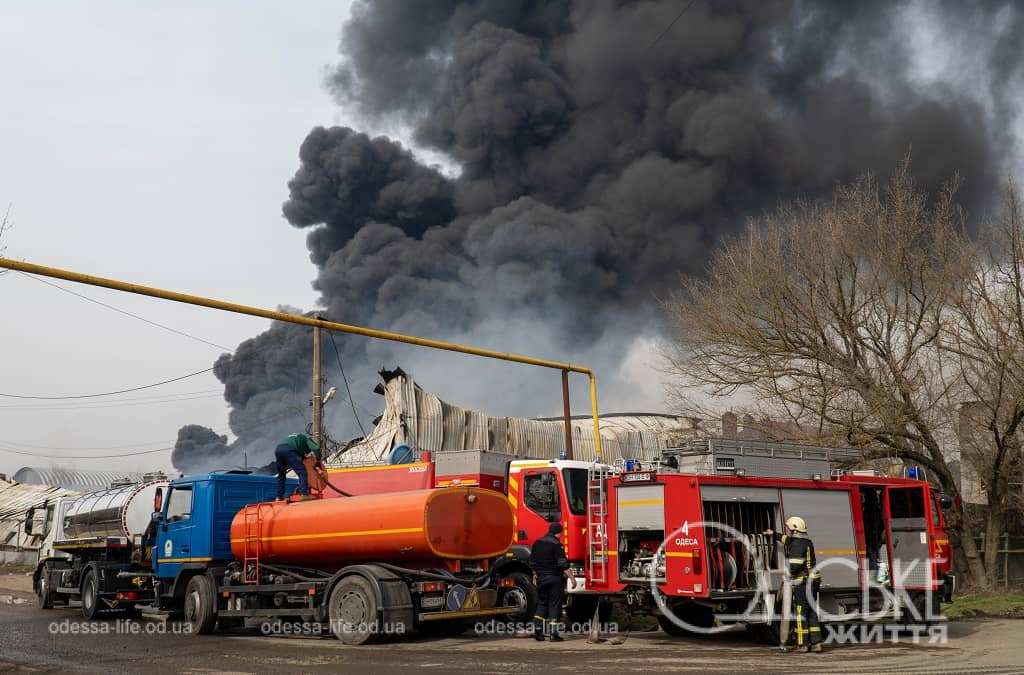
138, 289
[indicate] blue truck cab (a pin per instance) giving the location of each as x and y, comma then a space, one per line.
193, 531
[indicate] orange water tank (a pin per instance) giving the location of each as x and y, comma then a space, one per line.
448, 523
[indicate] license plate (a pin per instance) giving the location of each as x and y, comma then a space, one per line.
431, 601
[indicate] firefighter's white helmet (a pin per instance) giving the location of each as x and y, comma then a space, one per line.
797, 524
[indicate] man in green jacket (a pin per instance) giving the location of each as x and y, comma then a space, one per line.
289, 455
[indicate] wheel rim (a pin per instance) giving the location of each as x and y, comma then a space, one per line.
42, 586
192, 606
352, 609
89, 597
514, 597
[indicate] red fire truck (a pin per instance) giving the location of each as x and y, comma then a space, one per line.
685, 537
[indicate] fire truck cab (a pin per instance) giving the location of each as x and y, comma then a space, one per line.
542, 492
687, 537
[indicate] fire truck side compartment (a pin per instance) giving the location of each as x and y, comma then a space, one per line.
830, 525
641, 507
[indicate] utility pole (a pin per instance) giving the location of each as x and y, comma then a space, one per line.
318, 387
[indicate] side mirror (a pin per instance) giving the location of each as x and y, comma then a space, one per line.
30, 517
945, 501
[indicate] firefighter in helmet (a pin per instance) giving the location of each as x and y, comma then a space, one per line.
806, 583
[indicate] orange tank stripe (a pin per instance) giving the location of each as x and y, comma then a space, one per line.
324, 535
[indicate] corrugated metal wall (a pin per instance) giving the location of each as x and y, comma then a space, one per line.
72, 479
15, 501
419, 418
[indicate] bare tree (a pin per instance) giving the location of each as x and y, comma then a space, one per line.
5, 226
983, 332
831, 314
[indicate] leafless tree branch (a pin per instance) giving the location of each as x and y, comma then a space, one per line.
872, 319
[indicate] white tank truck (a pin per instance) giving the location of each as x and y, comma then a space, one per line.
95, 549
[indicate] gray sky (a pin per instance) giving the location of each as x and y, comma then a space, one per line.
153, 145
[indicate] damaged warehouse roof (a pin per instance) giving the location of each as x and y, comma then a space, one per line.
15, 500
423, 421
74, 479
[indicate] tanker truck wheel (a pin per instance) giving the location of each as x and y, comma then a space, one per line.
352, 610
90, 596
44, 589
523, 594
199, 605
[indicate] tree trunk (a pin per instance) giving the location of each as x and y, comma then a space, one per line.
962, 542
993, 538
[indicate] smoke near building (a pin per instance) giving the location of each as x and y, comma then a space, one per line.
601, 150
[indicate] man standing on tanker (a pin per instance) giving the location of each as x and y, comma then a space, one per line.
806, 583
289, 455
550, 567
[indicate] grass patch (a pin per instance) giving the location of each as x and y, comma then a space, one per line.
995, 605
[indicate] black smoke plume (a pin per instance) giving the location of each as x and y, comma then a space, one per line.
598, 155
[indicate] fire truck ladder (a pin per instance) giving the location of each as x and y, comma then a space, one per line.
597, 523
253, 521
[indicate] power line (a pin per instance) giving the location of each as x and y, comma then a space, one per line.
601, 99
127, 313
79, 448
123, 454
108, 393
345, 379
669, 27
272, 418
101, 406
123, 400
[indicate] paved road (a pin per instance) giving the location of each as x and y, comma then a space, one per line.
27, 644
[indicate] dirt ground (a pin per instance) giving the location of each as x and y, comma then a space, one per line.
33, 640
16, 581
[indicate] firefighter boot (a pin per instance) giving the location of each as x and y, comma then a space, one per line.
538, 629
814, 649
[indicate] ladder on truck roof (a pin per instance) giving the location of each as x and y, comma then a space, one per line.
597, 523
253, 527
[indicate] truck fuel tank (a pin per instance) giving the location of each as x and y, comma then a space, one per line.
460, 523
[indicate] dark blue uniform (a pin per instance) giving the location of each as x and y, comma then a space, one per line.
548, 561
288, 455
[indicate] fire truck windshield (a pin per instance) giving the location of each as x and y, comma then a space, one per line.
576, 490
